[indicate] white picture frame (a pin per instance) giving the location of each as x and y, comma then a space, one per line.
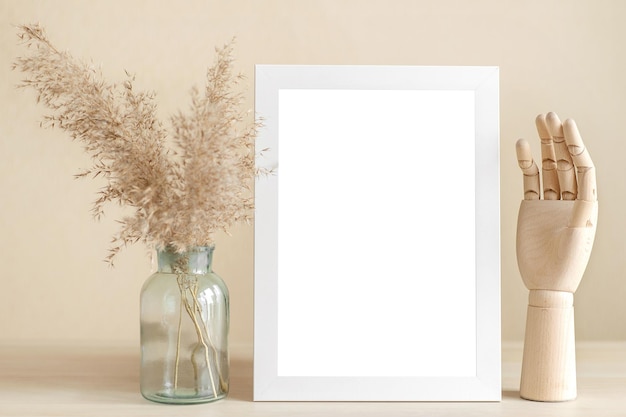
377, 234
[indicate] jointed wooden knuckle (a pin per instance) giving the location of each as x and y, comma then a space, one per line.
565, 171
551, 190
575, 145
548, 164
582, 158
531, 187
587, 184
560, 148
551, 187
528, 167
567, 181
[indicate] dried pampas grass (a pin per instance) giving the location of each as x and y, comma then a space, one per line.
179, 197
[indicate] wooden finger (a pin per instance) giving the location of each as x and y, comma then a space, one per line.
551, 189
529, 169
564, 164
582, 161
587, 192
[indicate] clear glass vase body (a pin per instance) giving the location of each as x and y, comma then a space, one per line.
184, 330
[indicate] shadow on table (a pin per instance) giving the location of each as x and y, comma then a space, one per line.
240, 379
511, 395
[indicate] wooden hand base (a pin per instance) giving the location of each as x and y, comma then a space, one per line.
549, 364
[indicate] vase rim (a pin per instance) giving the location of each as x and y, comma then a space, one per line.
190, 249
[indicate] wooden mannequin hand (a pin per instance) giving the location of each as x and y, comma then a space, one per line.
554, 239
555, 234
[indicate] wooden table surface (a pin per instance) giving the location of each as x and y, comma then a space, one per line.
104, 381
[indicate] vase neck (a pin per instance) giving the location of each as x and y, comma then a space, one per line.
196, 260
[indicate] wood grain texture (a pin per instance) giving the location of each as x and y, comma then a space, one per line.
93, 380
549, 365
551, 255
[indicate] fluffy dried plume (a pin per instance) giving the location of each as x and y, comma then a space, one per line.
178, 197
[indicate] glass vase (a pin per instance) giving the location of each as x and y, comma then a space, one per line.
184, 330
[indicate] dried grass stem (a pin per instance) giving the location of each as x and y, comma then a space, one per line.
178, 197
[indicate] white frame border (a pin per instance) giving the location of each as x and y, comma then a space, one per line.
486, 386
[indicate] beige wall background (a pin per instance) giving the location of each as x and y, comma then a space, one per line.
561, 55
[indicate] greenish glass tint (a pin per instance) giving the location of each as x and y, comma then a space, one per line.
184, 330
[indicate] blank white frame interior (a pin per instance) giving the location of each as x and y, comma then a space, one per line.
377, 238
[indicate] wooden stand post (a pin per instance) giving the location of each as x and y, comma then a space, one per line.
549, 364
